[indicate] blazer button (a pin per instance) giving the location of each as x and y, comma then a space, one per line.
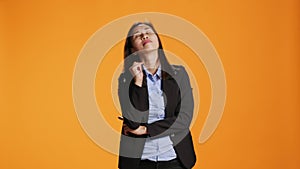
172, 135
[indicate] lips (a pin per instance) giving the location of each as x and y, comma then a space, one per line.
146, 41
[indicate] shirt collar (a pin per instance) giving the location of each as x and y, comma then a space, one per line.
157, 73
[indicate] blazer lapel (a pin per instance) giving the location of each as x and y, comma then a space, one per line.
170, 94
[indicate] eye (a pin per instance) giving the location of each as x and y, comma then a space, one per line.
149, 32
136, 35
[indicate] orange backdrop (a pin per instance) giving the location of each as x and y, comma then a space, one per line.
258, 43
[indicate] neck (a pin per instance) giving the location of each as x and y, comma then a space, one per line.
150, 60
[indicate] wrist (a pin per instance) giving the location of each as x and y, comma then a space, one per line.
138, 82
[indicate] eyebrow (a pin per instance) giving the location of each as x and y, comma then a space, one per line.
144, 29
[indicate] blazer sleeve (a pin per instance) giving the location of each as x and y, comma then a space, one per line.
183, 114
133, 101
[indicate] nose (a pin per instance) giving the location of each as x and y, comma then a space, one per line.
144, 36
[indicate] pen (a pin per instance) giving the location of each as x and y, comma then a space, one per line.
120, 118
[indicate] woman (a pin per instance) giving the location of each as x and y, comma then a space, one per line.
157, 106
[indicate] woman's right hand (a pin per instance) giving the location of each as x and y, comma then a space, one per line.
137, 72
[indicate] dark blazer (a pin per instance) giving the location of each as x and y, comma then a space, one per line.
179, 106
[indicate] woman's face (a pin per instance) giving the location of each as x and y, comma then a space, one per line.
144, 38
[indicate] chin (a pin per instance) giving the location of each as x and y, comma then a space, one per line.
148, 49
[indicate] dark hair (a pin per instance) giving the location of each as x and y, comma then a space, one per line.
128, 61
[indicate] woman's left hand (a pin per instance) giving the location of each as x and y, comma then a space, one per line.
139, 131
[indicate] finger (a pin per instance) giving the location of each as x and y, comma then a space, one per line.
137, 63
127, 129
136, 67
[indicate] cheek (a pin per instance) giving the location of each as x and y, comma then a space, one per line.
156, 42
136, 46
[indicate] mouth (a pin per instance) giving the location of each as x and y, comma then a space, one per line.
146, 41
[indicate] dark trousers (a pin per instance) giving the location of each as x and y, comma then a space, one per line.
173, 164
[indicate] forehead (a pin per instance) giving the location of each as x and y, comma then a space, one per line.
140, 28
